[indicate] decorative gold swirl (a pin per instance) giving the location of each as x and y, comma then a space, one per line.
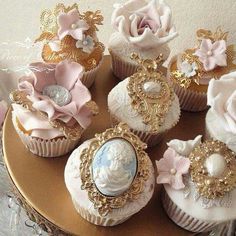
209, 186
104, 203
152, 107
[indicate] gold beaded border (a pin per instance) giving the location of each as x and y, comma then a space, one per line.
208, 186
104, 204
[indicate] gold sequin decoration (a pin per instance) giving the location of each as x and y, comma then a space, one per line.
208, 186
152, 107
104, 203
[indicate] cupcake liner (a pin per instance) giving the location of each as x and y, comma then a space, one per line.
122, 69
46, 148
184, 220
189, 100
90, 76
148, 138
97, 220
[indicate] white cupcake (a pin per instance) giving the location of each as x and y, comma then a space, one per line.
199, 183
141, 27
221, 117
145, 102
52, 108
110, 177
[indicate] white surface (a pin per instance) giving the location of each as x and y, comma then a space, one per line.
20, 19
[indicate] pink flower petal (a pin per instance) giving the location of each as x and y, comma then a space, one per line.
182, 166
219, 47
84, 117
80, 94
209, 63
44, 75
177, 182
221, 59
206, 45
67, 73
164, 178
45, 106
65, 20
79, 32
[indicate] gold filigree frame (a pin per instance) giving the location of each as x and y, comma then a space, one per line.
104, 204
152, 108
72, 132
208, 186
179, 78
49, 28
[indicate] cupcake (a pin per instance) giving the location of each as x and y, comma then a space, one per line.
3, 111
199, 183
191, 71
110, 177
145, 102
52, 108
221, 117
68, 34
141, 27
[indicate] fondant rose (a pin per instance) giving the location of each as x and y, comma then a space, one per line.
171, 169
3, 110
221, 96
212, 54
144, 24
58, 91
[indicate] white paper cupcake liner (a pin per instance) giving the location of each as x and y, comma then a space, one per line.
90, 76
122, 69
184, 220
148, 138
97, 220
46, 148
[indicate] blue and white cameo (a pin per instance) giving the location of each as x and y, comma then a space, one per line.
114, 167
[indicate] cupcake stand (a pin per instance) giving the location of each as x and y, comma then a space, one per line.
38, 183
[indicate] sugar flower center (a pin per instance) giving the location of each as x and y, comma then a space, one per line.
60, 95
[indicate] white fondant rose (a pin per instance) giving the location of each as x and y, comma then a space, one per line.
221, 97
144, 24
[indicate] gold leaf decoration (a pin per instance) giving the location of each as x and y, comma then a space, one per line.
103, 203
152, 107
208, 186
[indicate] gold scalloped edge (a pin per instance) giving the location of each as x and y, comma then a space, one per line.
72, 132
104, 204
152, 108
208, 186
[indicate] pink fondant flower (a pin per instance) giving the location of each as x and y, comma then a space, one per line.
3, 110
58, 91
171, 168
212, 54
71, 24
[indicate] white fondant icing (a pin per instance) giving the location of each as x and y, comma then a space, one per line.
215, 165
184, 148
119, 104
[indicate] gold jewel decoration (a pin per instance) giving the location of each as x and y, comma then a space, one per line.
49, 28
208, 186
179, 78
72, 132
152, 107
104, 203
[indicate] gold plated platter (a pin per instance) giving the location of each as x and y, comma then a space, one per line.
39, 182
